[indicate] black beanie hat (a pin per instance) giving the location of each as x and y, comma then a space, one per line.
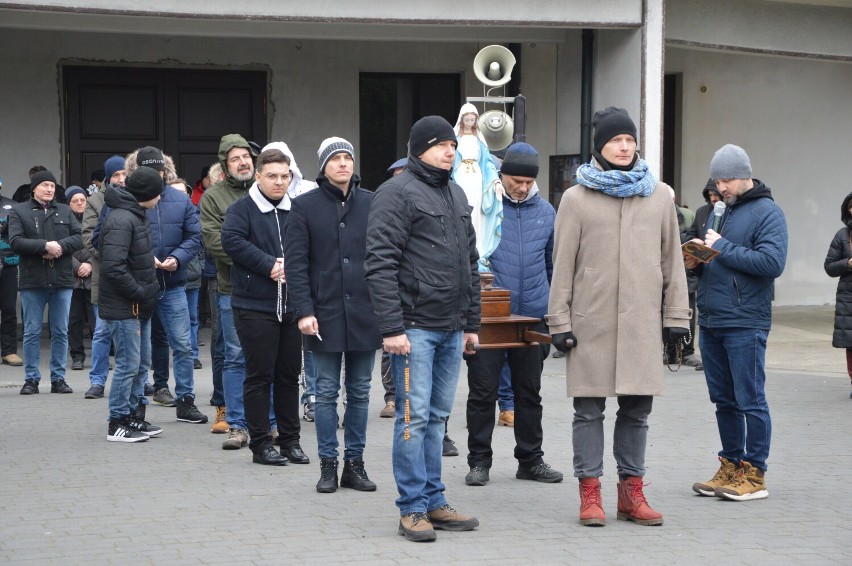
151, 157
428, 131
521, 160
144, 184
609, 123
40, 178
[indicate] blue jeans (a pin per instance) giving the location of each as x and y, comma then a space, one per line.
310, 377
505, 395
170, 329
192, 304
234, 369
100, 351
132, 338
359, 373
734, 361
434, 364
58, 302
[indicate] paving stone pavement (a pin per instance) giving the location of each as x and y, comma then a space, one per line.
67, 496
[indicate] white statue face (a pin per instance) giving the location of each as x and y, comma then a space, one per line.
468, 120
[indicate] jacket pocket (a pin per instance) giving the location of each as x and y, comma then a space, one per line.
434, 217
434, 292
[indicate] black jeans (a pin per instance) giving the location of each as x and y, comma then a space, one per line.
483, 378
273, 353
8, 310
80, 314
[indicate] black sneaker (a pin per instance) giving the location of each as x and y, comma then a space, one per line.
477, 476
354, 476
449, 447
59, 386
196, 363
540, 472
138, 423
95, 392
30, 387
187, 412
328, 476
77, 364
120, 431
149, 390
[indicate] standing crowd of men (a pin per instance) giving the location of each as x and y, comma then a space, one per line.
334, 272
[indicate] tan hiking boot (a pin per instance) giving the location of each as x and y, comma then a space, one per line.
220, 425
237, 438
416, 527
389, 411
748, 483
632, 505
507, 418
591, 505
445, 518
723, 476
13, 360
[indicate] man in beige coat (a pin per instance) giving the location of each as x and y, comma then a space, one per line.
618, 291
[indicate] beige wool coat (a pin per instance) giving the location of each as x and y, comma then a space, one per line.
618, 280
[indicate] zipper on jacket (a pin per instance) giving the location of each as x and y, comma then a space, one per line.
520, 258
737, 291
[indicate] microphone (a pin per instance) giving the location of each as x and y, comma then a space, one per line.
718, 213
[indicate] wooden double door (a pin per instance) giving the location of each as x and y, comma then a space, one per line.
184, 112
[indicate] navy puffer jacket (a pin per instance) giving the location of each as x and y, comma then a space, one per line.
176, 232
523, 262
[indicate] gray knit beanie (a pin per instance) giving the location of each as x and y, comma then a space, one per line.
730, 162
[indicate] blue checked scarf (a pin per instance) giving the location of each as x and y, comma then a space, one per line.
619, 184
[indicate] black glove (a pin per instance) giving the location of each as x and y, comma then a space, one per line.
672, 335
559, 341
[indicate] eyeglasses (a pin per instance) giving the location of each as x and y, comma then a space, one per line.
273, 178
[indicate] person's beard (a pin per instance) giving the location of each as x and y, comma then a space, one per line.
247, 176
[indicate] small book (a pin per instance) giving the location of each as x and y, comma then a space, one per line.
702, 253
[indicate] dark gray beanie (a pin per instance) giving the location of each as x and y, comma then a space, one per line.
40, 178
151, 157
730, 162
521, 160
144, 184
428, 131
610, 122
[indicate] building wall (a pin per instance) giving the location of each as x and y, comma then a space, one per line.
792, 117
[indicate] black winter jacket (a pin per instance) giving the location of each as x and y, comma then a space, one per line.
324, 250
128, 285
837, 265
421, 263
31, 226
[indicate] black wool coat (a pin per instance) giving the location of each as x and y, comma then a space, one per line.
325, 246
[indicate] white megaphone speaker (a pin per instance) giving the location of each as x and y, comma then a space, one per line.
493, 65
497, 128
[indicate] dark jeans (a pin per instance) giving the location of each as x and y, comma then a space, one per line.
483, 378
9, 310
273, 358
80, 314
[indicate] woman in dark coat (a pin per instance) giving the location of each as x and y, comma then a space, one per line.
838, 263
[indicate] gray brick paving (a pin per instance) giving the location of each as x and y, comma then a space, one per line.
67, 496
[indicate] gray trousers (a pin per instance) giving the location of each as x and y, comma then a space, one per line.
629, 438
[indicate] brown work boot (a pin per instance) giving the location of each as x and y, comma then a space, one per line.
507, 418
220, 425
445, 518
632, 505
591, 506
747, 484
723, 476
416, 527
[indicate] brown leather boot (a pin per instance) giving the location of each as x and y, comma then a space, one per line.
632, 505
591, 506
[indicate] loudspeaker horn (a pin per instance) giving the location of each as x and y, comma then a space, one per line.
493, 65
497, 128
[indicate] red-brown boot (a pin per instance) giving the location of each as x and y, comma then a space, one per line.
632, 505
591, 507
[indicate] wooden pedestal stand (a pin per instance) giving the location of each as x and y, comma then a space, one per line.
500, 328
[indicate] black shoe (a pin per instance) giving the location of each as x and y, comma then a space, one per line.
269, 456
354, 476
30, 387
449, 448
149, 390
295, 454
138, 423
77, 364
477, 476
328, 476
196, 363
59, 386
187, 412
540, 472
95, 392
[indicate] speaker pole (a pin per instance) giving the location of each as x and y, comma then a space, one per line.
519, 114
